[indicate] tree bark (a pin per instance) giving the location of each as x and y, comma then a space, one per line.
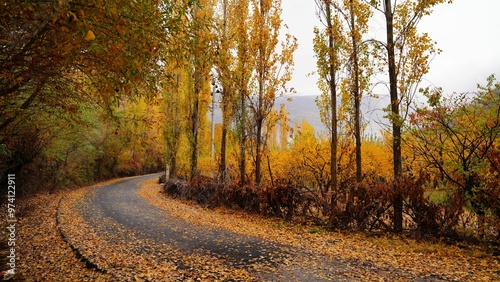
225, 116
357, 96
396, 126
258, 153
333, 105
259, 113
195, 126
242, 164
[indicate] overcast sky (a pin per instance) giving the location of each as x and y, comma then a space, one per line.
468, 32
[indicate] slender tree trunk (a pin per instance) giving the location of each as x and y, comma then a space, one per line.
225, 115
270, 170
258, 153
242, 138
174, 146
222, 166
195, 125
173, 167
259, 113
357, 96
396, 126
333, 105
260, 123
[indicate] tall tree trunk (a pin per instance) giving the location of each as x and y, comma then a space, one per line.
333, 105
260, 123
222, 165
223, 144
356, 95
195, 125
259, 111
258, 153
176, 133
242, 164
225, 116
396, 123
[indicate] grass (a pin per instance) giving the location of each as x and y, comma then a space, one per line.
437, 196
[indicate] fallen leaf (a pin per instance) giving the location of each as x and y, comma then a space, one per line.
90, 35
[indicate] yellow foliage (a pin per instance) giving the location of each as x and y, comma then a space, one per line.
376, 159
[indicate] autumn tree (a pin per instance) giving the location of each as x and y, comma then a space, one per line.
328, 46
225, 28
60, 58
406, 53
138, 127
172, 104
455, 135
310, 158
357, 14
239, 20
198, 39
50, 43
273, 68
275, 125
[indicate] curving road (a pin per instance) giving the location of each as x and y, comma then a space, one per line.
119, 203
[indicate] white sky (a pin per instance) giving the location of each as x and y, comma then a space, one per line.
468, 32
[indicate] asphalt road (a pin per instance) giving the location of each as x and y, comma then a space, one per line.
120, 203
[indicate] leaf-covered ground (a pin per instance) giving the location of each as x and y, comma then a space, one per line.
371, 258
50, 227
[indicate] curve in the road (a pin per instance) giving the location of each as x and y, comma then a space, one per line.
121, 203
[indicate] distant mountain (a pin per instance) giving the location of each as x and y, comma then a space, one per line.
305, 107
300, 107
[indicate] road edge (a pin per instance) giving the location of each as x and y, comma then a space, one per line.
78, 254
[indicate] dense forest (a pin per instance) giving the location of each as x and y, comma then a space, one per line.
91, 90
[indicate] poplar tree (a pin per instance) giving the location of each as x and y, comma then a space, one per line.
273, 68
407, 56
200, 56
328, 44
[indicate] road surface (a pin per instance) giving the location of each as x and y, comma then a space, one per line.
119, 204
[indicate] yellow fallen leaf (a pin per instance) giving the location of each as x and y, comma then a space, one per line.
90, 35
